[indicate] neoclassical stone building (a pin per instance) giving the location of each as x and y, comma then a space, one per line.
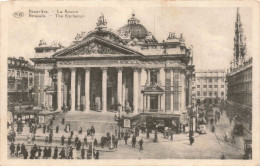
104, 68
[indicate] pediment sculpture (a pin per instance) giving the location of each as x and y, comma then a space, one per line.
94, 48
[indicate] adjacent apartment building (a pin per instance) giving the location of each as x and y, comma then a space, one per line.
20, 80
210, 86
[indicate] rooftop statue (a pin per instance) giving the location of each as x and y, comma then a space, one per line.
42, 43
80, 35
102, 22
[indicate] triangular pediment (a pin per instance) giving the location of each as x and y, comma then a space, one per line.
95, 46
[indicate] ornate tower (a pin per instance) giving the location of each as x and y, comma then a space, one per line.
239, 42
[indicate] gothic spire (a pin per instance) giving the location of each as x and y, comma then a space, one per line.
239, 41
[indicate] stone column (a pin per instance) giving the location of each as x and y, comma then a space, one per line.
172, 90
163, 102
145, 104
79, 90
59, 88
148, 77
183, 91
87, 82
119, 85
140, 96
135, 89
73, 88
104, 89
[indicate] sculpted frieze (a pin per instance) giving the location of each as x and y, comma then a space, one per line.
94, 48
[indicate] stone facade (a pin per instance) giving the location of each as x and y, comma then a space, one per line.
20, 80
103, 69
210, 86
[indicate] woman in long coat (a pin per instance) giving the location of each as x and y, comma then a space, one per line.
55, 155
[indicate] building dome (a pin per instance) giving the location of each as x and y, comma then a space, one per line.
134, 28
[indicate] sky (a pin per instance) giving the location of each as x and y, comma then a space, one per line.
210, 29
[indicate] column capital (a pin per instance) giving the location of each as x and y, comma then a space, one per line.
136, 69
119, 69
168, 69
104, 69
59, 69
73, 69
87, 69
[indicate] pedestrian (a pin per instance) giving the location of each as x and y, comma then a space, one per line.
50, 138
63, 121
147, 134
18, 150
46, 140
213, 129
39, 152
12, 149
22, 148
191, 140
44, 129
122, 134
48, 128
71, 133
62, 154
29, 138
76, 140
95, 142
62, 140
85, 140
233, 138
78, 145
115, 143
80, 130
55, 155
133, 140
25, 155
141, 144
69, 141
97, 155
155, 136
33, 138
125, 138
171, 132
32, 153
57, 129
70, 153
49, 152
82, 152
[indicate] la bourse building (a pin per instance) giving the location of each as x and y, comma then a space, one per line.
105, 70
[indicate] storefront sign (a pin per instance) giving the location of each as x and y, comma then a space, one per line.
127, 123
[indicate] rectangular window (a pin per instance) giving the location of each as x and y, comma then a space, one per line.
153, 77
210, 80
204, 86
204, 93
216, 93
18, 74
222, 86
215, 86
198, 93
198, 86
210, 93
222, 93
210, 86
